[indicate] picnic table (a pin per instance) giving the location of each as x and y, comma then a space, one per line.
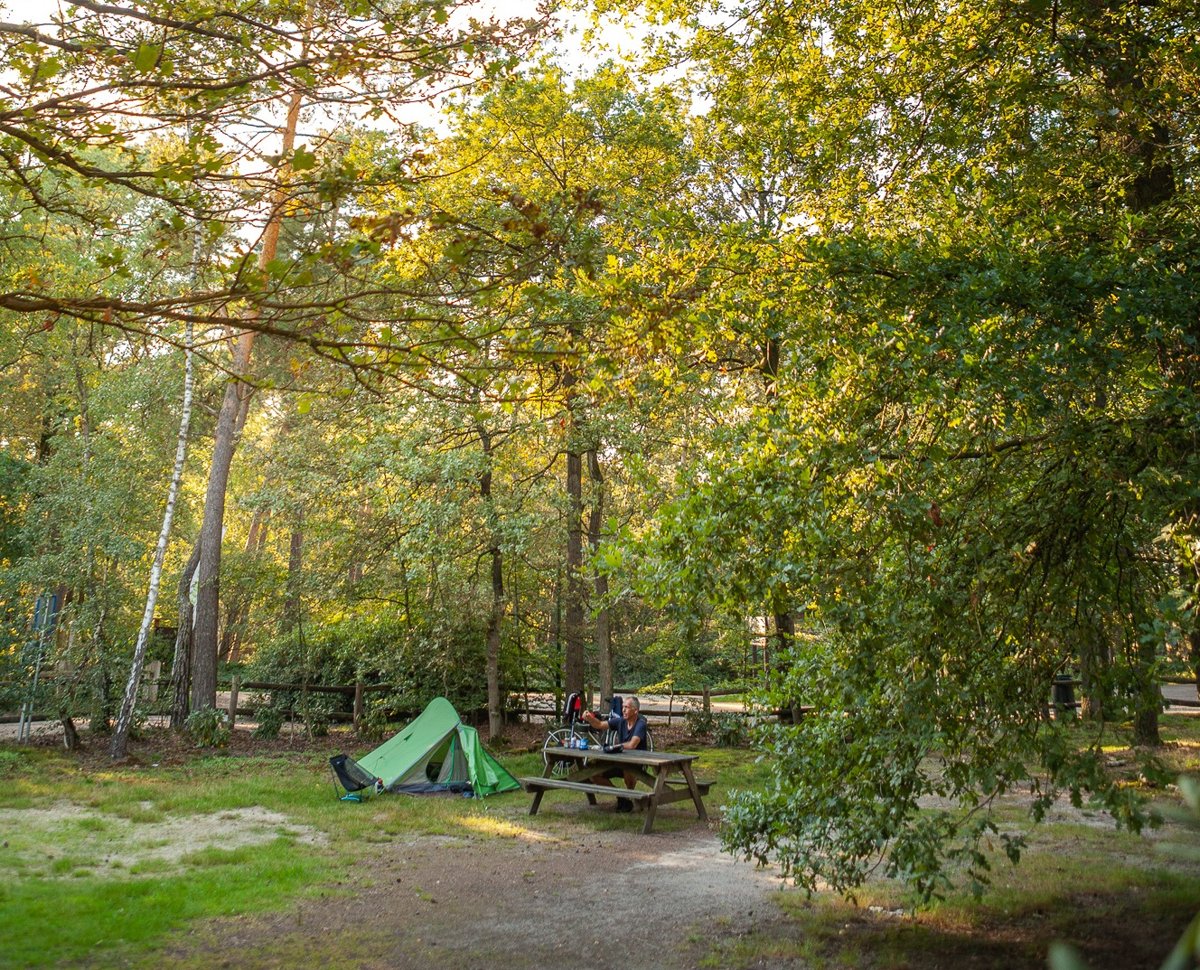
667, 778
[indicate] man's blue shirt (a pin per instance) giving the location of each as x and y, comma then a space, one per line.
625, 732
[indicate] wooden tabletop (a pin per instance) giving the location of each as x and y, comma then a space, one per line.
649, 759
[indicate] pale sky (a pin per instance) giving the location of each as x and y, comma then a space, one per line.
618, 40
34, 10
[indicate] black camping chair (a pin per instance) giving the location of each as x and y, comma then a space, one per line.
353, 779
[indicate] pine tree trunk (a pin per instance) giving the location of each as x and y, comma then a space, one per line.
1153, 185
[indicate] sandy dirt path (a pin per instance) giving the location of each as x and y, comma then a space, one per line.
579, 900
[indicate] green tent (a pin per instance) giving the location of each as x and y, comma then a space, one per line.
437, 752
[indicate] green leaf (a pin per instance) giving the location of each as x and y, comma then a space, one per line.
303, 160
47, 69
147, 56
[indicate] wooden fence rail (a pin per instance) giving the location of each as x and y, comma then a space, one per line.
358, 689
545, 703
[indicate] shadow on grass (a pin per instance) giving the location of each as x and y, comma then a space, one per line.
1124, 929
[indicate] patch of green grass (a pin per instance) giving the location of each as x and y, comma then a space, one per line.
102, 903
64, 865
85, 918
10, 761
216, 856
91, 825
147, 867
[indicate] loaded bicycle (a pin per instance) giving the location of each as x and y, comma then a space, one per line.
574, 732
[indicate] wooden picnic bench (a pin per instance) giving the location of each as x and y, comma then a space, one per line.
653, 769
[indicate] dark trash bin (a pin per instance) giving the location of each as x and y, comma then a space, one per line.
1063, 694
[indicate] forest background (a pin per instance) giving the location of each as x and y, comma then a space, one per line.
844, 352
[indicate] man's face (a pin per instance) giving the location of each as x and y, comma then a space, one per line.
629, 710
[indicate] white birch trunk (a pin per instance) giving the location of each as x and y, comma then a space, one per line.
120, 741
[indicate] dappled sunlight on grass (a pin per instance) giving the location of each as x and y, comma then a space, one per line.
500, 828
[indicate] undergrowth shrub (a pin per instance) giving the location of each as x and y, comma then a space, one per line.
207, 728
729, 730
270, 722
700, 723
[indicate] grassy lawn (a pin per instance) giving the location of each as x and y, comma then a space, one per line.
105, 865
92, 857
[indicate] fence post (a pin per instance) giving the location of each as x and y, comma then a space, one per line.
153, 673
233, 701
358, 705
707, 702
670, 705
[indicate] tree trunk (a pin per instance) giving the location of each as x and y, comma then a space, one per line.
785, 629
1147, 700
556, 623
600, 580
233, 409
70, 734
1153, 184
292, 605
206, 623
785, 636
496, 615
181, 666
495, 618
1194, 652
573, 667
1148, 705
120, 741
101, 720
1095, 659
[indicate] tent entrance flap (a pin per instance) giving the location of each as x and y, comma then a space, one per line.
443, 765
437, 752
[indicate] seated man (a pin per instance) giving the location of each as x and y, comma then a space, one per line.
631, 735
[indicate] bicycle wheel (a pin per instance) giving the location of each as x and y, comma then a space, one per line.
557, 738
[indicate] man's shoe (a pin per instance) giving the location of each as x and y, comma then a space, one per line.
624, 805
